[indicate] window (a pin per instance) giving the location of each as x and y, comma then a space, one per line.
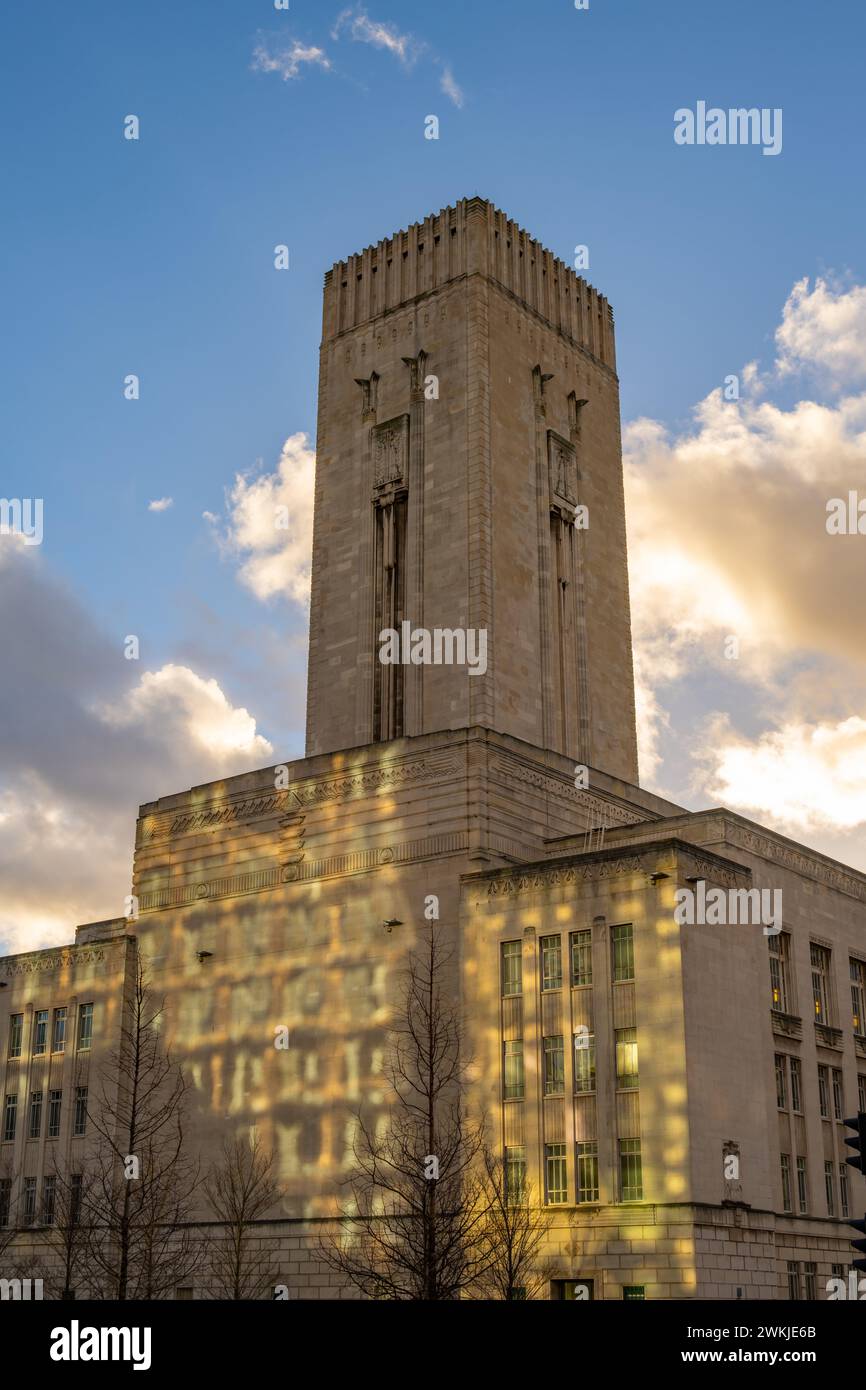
630, 1172
581, 958
622, 941
551, 962
829, 1187
843, 1188
40, 1032
54, 1100
861, 1091
10, 1114
5, 1200
58, 1035
810, 1272
584, 1062
16, 1033
858, 995
80, 1122
555, 1175
587, 1171
780, 972
820, 957
837, 1271
781, 1083
577, 1290
796, 1084
512, 969
515, 1175
633, 1293
787, 1205
34, 1128
75, 1198
824, 1091
554, 1066
85, 1023
514, 1082
626, 1058
29, 1201
838, 1098
183, 1293
793, 1280
802, 1191
49, 1197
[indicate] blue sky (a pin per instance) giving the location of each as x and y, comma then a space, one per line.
155, 256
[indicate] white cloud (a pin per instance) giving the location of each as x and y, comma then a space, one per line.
174, 699
270, 524
363, 29
727, 538
289, 60
806, 777
450, 87
161, 504
824, 327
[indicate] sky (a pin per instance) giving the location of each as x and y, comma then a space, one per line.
153, 258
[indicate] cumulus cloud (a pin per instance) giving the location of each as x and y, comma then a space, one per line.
289, 60
85, 737
728, 540
363, 29
269, 524
161, 504
824, 327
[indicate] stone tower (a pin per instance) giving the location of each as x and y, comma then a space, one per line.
469, 477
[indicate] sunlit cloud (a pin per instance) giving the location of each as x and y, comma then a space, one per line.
363, 29
450, 87
160, 504
289, 60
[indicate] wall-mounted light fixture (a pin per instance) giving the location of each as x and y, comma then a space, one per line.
204, 955
391, 923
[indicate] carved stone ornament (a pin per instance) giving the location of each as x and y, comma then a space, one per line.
562, 463
391, 452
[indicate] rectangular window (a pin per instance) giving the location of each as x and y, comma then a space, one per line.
780, 972
551, 962
802, 1189
58, 1036
10, 1115
75, 1198
626, 1058
837, 1271
820, 957
555, 1174
622, 941
858, 995
861, 1091
781, 1082
54, 1100
584, 1062
824, 1091
29, 1201
5, 1200
787, 1204
633, 1293
515, 1175
40, 1032
49, 1198
34, 1128
587, 1171
514, 1081
85, 1024
838, 1097
512, 969
554, 1066
843, 1189
581, 957
80, 1123
16, 1034
796, 1085
630, 1170
810, 1273
793, 1280
829, 1187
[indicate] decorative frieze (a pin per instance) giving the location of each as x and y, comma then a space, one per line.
45, 960
600, 810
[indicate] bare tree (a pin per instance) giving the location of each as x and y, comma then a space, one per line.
68, 1237
144, 1183
413, 1227
514, 1231
241, 1190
